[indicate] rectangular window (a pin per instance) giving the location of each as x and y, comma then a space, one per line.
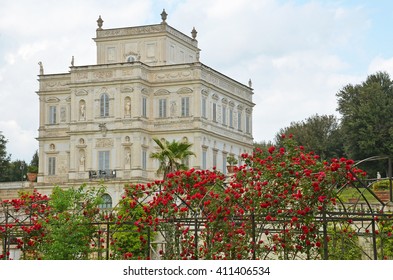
104, 105
224, 115
144, 106
162, 108
52, 166
185, 162
239, 120
204, 158
214, 112
203, 107
214, 158
248, 124
103, 160
185, 106
224, 163
144, 159
231, 117
52, 114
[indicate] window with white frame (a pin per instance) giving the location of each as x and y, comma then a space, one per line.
239, 120
162, 108
214, 158
103, 160
104, 105
203, 107
144, 106
248, 130
51, 166
224, 163
214, 112
224, 115
106, 202
230, 117
144, 159
52, 114
204, 158
185, 106
185, 162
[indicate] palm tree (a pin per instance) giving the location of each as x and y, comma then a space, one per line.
171, 155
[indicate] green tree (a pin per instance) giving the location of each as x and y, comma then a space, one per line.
4, 159
318, 133
367, 117
263, 145
33, 166
17, 170
70, 227
129, 240
171, 155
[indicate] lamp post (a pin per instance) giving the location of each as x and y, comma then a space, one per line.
22, 168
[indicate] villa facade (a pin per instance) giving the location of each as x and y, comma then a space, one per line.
97, 122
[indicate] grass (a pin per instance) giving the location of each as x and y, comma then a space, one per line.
349, 193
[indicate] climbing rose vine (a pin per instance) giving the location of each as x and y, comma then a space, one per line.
272, 207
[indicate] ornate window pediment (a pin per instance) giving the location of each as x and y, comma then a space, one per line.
81, 92
161, 92
205, 92
145, 91
52, 100
184, 90
127, 89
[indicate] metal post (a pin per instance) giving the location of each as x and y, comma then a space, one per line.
253, 236
374, 239
390, 178
196, 237
107, 240
6, 234
325, 236
148, 243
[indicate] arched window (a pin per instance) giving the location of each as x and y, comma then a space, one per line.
104, 105
106, 202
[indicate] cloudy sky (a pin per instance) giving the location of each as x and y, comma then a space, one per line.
298, 53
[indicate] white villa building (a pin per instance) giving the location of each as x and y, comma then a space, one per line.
97, 122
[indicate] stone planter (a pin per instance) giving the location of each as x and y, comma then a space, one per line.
383, 195
231, 168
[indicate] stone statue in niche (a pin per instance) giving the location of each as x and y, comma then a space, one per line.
127, 108
127, 160
82, 160
82, 111
173, 108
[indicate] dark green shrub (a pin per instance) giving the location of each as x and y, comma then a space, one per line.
381, 185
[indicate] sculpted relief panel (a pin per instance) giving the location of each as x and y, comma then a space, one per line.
104, 143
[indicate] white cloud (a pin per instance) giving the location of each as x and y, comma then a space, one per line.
21, 142
381, 64
297, 53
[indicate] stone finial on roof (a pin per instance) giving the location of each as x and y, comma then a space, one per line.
249, 83
194, 33
99, 23
41, 68
164, 15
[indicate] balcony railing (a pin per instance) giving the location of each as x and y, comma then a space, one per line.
102, 174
